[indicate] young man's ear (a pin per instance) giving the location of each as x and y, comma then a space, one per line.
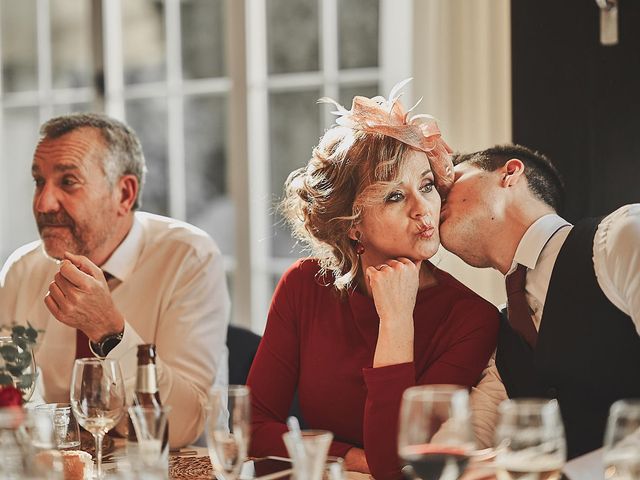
512, 172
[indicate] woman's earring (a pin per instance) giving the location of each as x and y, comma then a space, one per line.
359, 246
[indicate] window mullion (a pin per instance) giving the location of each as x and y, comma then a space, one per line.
43, 36
395, 41
177, 182
258, 160
113, 59
329, 54
238, 164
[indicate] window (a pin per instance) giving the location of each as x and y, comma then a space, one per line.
217, 156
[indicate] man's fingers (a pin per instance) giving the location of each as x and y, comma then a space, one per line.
68, 289
58, 296
404, 260
52, 306
76, 276
83, 264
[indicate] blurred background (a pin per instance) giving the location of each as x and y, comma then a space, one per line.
223, 96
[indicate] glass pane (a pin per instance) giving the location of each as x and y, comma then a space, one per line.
294, 130
19, 137
347, 93
293, 36
208, 203
148, 117
203, 29
71, 57
358, 33
19, 45
143, 41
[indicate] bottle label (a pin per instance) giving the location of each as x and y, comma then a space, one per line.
146, 381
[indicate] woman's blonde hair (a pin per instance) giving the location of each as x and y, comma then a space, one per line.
348, 171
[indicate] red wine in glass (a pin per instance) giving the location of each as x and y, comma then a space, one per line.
436, 462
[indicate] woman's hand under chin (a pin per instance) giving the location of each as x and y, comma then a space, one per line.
394, 286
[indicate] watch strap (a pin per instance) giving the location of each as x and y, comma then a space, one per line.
107, 343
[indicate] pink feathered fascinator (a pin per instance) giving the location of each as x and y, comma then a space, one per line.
388, 117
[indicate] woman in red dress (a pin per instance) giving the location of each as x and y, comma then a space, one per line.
368, 315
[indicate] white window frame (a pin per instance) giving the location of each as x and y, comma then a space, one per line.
247, 87
395, 35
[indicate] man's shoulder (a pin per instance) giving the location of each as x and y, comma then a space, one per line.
170, 232
622, 224
30, 253
29, 258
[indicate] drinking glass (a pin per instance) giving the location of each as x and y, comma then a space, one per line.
26, 440
97, 398
65, 427
622, 441
435, 437
228, 429
308, 452
150, 424
530, 440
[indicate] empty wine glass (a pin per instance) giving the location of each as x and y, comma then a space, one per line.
530, 441
228, 429
97, 398
622, 441
435, 437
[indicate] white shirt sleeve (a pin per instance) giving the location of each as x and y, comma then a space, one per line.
191, 345
485, 398
616, 259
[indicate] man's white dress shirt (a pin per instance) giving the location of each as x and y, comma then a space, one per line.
616, 259
170, 287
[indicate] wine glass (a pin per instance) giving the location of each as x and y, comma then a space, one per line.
622, 441
530, 440
228, 429
435, 437
97, 398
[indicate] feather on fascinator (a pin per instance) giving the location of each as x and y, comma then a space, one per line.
388, 117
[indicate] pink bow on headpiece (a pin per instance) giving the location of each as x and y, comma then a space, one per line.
387, 117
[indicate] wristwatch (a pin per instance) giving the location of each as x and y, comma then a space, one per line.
107, 343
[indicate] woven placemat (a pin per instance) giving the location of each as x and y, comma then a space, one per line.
192, 468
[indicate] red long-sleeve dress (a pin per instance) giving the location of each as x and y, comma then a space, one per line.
324, 345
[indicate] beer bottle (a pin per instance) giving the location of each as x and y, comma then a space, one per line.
146, 393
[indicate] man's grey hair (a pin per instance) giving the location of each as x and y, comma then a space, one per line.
125, 151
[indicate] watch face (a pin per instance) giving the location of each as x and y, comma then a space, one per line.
109, 344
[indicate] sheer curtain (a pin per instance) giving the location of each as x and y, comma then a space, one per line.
462, 69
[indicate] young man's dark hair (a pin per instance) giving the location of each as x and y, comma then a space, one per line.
543, 177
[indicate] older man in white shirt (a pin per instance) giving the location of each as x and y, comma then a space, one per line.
105, 278
573, 290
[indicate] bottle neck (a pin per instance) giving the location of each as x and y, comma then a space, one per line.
147, 379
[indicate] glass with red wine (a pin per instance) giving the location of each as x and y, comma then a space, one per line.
435, 437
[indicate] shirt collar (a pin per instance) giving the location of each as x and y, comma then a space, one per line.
123, 259
535, 238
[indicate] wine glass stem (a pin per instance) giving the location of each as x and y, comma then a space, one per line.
98, 438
